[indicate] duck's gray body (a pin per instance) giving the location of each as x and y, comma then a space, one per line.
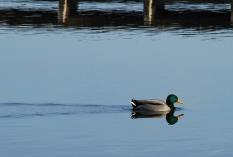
150, 105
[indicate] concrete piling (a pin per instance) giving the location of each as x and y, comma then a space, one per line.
66, 9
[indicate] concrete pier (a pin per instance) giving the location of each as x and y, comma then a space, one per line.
152, 9
66, 9
231, 12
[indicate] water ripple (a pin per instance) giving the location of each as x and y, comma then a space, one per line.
20, 110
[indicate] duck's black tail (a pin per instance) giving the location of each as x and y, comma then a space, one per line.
133, 103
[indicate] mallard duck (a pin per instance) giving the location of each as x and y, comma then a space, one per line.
155, 105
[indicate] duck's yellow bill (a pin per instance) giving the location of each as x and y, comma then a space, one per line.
180, 101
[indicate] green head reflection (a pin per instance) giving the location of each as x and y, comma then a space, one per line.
170, 117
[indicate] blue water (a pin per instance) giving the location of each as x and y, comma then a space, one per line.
65, 88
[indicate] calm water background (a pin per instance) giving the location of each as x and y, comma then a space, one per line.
65, 89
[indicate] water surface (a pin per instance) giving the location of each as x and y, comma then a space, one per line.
66, 82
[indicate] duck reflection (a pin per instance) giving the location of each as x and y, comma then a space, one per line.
170, 117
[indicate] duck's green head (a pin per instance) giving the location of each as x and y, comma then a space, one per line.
172, 99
